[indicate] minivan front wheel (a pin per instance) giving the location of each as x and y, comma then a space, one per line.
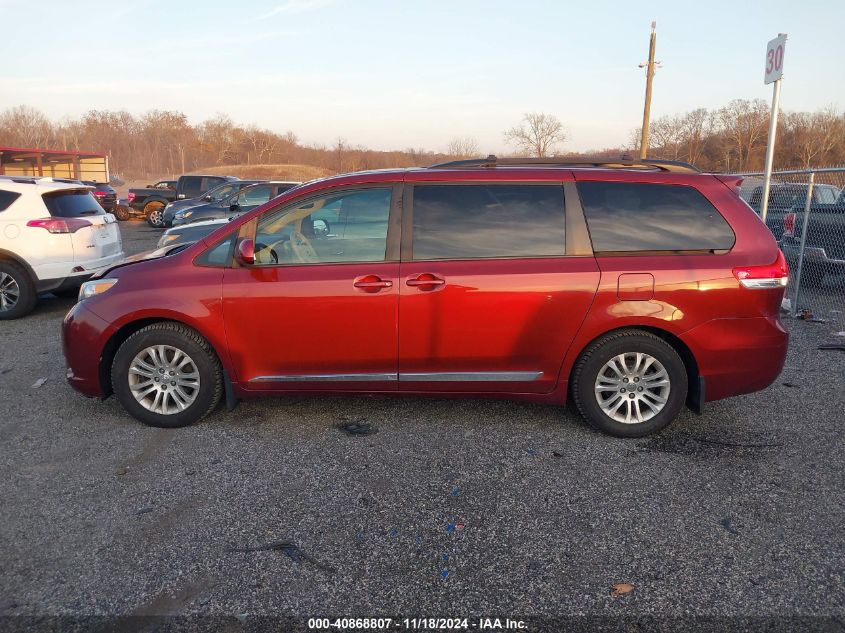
167, 375
629, 383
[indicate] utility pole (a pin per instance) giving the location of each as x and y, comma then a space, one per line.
649, 76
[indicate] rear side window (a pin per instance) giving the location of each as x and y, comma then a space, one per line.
488, 221
74, 203
7, 198
629, 217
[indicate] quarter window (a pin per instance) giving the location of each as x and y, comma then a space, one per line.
630, 217
7, 198
348, 226
488, 221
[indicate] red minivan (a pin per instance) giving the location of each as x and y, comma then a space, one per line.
633, 287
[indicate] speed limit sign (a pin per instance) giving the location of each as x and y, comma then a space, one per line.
774, 59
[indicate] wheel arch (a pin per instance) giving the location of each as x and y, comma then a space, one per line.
128, 329
695, 394
11, 257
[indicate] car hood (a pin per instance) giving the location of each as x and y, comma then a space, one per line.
157, 253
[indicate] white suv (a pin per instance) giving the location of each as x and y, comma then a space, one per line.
53, 236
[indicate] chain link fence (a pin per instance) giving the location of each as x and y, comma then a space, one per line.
806, 214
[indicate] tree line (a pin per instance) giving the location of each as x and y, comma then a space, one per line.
163, 143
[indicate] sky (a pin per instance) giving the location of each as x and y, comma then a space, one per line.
394, 74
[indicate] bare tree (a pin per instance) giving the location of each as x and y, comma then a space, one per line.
26, 127
538, 135
743, 125
463, 147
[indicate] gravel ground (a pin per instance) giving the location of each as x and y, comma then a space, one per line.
449, 508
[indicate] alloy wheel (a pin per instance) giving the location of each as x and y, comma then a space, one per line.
632, 387
10, 292
164, 379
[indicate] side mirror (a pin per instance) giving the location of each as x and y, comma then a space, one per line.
207, 198
245, 252
234, 207
321, 228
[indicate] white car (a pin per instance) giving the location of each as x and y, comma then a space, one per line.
53, 236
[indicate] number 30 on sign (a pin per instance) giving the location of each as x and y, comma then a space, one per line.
774, 59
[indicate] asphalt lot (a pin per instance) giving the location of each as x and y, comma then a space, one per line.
452, 508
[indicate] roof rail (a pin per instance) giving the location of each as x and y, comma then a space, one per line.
623, 162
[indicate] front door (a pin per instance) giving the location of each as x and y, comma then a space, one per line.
489, 299
318, 309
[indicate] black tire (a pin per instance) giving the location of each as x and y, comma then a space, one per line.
593, 360
121, 213
17, 291
155, 214
189, 342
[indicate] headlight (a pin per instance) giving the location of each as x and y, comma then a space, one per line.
95, 287
187, 214
167, 238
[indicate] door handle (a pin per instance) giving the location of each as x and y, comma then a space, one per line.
372, 283
425, 281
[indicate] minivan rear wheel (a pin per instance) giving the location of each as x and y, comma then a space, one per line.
629, 383
167, 375
17, 292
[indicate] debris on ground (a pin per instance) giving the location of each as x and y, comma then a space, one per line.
289, 549
728, 524
357, 427
38, 383
5, 370
621, 589
146, 510
804, 314
839, 346
122, 470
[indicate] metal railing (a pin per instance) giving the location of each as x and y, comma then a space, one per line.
806, 214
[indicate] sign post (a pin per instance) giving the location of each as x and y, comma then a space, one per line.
774, 73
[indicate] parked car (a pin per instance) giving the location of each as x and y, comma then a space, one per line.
632, 287
783, 197
53, 236
150, 202
104, 194
824, 248
241, 202
214, 196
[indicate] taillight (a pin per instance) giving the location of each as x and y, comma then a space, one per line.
130, 196
60, 225
100, 194
773, 275
789, 224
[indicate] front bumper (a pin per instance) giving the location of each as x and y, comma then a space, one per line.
84, 337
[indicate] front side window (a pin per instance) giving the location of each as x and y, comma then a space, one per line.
488, 221
631, 217
347, 226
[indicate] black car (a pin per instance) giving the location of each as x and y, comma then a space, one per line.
214, 196
245, 200
104, 193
